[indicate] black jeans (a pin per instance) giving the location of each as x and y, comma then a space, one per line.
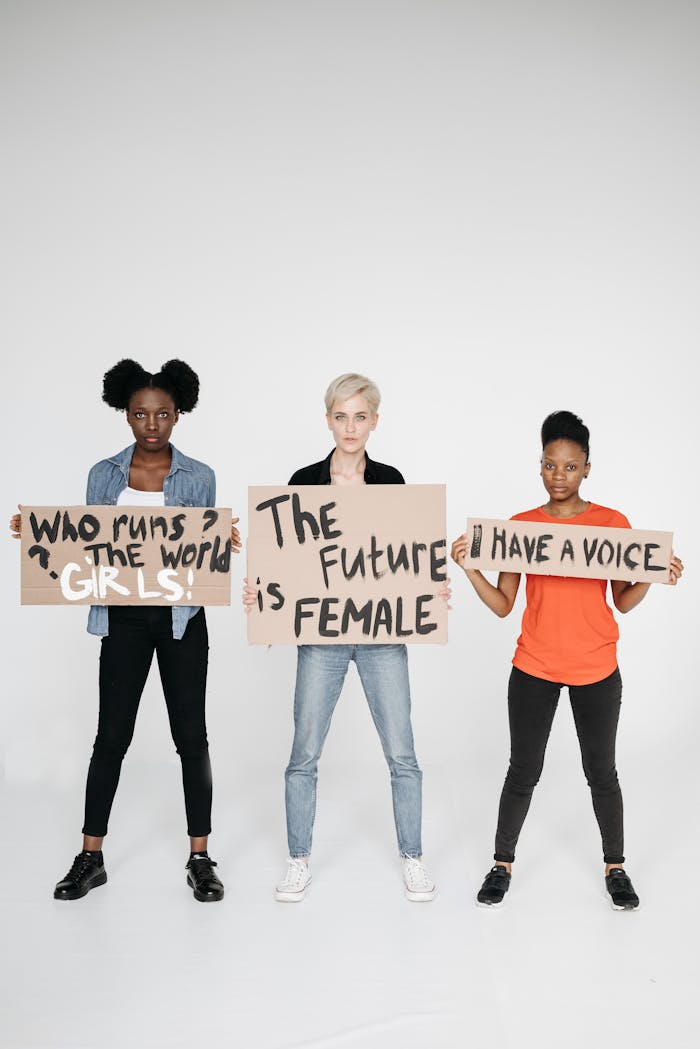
531, 706
135, 633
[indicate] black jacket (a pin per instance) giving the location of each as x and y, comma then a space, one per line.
320, 473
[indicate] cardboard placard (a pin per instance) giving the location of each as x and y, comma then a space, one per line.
568, 550
126, 555
347, 565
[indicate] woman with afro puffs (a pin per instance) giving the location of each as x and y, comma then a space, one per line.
151, 472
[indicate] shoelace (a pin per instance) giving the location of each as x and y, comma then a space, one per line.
296, 872
416, 875
204, 861
80, 865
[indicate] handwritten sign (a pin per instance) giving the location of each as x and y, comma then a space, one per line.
122, 555
347, 565
568, 550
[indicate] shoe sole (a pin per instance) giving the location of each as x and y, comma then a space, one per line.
490, 906
420, 897
202, 896
291, 897
620, 906
99, 880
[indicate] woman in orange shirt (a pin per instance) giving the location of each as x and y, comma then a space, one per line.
568, 637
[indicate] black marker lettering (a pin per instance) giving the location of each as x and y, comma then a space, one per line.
436, 562
628, 558
498, 537
358, 615
326, 563
203, 547
374, 554
542, 544
271, 504
302, 517
358, 564
589, 551
210, 518
327, 524
400, 632
530, 545
609, 549
39, 529
424, 628
648, 566
274, 591
382, 617
401, 559
567, 550
301, 613
417, 547
325, 617
178, 527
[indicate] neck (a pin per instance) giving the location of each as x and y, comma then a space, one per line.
348, 463
570, 508
154, 459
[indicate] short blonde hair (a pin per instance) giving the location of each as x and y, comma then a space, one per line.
351, 385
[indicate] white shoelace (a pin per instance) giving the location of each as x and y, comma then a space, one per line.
297, 874
416, 877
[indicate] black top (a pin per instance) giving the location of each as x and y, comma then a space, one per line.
320, 473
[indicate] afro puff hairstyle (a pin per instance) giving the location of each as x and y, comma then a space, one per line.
126, 377
565, 426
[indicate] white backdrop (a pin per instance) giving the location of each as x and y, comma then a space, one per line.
491, 209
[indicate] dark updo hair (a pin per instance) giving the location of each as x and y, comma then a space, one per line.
175, 377
565, 426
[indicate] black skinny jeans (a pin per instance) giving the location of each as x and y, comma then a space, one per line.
532, 703
135, 633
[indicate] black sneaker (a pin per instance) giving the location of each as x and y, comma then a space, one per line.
622, 894
88, 871
201, 878
496, 885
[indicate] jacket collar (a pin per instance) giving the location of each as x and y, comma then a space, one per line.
370, 472
122, 460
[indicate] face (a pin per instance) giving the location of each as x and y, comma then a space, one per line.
351, 423
563, 467
151, 416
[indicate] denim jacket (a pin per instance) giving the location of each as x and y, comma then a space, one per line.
189, 483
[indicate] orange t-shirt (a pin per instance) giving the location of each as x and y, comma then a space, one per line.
569, 633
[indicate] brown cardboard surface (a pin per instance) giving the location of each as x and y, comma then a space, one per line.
79, 555
346, 530
568, 550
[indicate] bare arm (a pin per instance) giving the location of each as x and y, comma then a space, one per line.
500, 598
627, 596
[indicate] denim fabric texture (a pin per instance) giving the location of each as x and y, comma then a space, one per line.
321, 671
189, 483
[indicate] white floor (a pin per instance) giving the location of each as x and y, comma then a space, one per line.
138, 963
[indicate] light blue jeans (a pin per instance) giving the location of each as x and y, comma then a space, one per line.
321, 671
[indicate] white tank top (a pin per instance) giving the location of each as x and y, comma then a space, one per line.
133, 497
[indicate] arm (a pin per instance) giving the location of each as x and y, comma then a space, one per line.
627, 596
500, 598
90, 498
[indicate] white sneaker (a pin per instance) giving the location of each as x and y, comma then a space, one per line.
418, 885
292, 888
